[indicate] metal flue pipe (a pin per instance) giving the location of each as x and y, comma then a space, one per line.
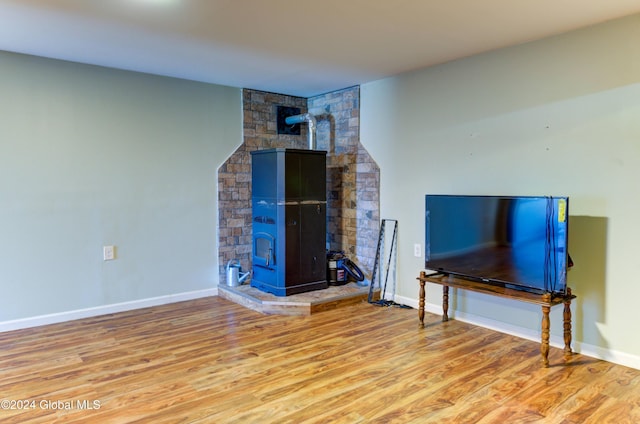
311, 127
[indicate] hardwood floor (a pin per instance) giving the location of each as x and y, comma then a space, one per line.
213, 361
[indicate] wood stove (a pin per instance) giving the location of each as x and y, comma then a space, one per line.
289, 220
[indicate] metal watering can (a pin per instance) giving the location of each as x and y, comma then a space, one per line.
234, 273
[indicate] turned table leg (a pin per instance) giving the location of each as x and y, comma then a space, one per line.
544, 346
445, 303
567, 325
421, 299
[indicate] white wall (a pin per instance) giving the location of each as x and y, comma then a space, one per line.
91, 156
559, 116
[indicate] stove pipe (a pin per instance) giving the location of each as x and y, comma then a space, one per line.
311, 121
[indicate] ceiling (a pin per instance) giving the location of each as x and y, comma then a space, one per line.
296, 47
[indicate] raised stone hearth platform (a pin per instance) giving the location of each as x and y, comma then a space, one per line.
297, 304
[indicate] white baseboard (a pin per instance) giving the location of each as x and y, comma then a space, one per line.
103, 310
605, 354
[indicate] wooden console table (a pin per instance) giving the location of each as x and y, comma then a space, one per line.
546, 301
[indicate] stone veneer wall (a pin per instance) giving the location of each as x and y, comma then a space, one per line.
234, 176
352, 175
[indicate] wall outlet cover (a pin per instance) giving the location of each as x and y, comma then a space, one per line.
109, 253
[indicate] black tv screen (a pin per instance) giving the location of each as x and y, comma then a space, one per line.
517, 242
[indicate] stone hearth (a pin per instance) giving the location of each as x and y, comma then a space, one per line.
297, 304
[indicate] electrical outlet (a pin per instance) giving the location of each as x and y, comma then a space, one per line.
417, 250
109, 253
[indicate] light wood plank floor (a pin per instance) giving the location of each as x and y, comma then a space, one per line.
213, 361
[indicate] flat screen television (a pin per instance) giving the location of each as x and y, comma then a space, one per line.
514, 241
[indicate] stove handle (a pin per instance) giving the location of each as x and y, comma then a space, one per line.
268, 256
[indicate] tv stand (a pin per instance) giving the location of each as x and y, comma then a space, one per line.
546, 301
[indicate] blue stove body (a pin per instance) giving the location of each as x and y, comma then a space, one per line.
289, 220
